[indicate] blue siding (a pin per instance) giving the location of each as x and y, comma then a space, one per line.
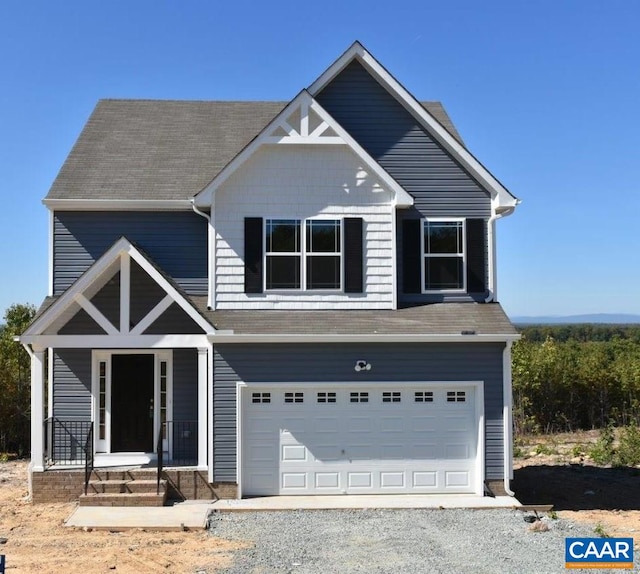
185, 385
176, 241
392, 136
72, 384
334, 363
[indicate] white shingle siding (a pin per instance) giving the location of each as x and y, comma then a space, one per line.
285, 181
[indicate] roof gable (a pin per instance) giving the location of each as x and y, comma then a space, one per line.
502, 199
303, 121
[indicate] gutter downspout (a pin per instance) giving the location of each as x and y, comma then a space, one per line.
210, 252
491, 231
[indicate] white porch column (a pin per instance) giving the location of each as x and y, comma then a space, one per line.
37, 410
202, 407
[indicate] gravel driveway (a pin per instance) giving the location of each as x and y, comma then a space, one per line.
394, 541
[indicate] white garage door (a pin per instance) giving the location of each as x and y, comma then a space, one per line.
328, 440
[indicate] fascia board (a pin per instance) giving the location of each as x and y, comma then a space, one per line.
204, 198
504, 197
85, 280
308, 339
116, 204
92, 274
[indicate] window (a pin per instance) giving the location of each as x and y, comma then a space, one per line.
359, 397
423, 397
443, 253
319, 253
456, 396
294, 397
323, 254
283, 251
326, 397
260, 397
102, 405
391, 397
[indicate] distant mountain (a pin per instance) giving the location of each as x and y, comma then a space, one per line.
607, 318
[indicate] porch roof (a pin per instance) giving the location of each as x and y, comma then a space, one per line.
434, 319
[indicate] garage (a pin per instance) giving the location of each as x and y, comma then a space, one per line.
417, 438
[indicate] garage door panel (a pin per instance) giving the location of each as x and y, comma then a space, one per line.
399, 440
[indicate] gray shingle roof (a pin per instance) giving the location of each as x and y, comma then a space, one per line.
436, 319
164, 149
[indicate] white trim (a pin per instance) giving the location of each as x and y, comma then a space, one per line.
99, 356
119, 341
226, 337
154, 314
50, 382
125, 292
394, 258
37, 410
210, 452
204, 197
122, 250
50, 253
211, 254
507, 419
424, 255
202, 405
503, 198
95, 314
243, 387
117, 204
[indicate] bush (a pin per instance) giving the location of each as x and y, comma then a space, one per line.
629, 450
603, 451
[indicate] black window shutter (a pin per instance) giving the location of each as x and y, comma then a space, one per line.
476, 258
411, 255
353, 255
253, 254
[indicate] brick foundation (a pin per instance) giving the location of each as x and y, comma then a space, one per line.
68, 485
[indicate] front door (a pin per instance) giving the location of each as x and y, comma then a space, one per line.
132, 386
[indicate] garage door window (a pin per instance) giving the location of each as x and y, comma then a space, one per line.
456, 396
423, 397
261, 397
359, 397
391, 397
326, 397
294, 397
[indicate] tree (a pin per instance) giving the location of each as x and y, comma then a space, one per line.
15, 379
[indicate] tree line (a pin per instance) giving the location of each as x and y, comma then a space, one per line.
572, 377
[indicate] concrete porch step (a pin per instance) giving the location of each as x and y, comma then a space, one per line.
123, 499
126, 485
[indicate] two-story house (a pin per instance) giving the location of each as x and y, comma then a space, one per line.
276, 298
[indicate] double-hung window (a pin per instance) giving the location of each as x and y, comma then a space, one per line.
303, 260
443, 255
284, 253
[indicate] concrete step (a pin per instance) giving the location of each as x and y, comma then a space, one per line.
123, 499
123, 486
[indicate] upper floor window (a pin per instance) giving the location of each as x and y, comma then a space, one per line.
443, 255
300, 255
297, 261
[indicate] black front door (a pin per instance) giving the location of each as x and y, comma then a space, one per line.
132, 403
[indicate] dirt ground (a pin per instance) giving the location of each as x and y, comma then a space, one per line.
38, 542
546, 472
551, 471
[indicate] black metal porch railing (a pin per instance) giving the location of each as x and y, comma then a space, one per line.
177, 445
67, 442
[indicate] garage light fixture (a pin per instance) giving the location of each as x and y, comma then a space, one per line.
362, 366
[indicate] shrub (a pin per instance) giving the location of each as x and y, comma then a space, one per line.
629, 450
603, 451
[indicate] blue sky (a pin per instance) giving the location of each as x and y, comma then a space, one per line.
546, 94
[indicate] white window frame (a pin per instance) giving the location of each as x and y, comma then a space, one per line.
104, 445
424, 255
303, 254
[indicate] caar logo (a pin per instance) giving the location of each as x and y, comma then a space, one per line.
1, 563
598, 553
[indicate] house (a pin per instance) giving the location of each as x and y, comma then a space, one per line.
275, 298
